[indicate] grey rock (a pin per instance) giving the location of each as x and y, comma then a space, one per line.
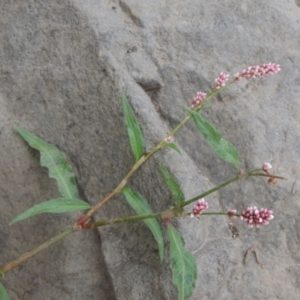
63, 67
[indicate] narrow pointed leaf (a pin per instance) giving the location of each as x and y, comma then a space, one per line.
53, 206
220, 146
173, 186
207, 129
173, 146
228, 153
183, 264
2, 273
133, 129
55, 161
141, 206
3, 293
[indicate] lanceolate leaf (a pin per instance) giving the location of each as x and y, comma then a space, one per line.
173, 186
228, 152
53, 206
141, 206
133, 129
207, 129
3, 293
55, 161
221, 147
183, 264
2, 273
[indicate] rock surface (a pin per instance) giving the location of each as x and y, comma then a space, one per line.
63, 67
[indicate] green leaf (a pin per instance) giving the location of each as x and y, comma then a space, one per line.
141, 206
173, 146
221, 147
53, 206
3, 293
228, 152
55, 161
173, 186
207, 129
183, 264
2, 273
133, 129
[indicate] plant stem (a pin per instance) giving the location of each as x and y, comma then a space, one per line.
122, 220
165, 214
11, 265
170, 213
215, 189
144, 217
238, 177
144, 158
120, 186
218, 213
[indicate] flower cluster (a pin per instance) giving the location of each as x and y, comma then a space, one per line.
256, 217
251, 72
198, 100
221, 80
258, 71
199, 208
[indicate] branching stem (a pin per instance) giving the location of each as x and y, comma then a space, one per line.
173, 212
81, 223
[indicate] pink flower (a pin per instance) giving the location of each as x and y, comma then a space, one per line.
198, 100
266, 166
221, 80
258, 71
199, 208
256, 217
169, 139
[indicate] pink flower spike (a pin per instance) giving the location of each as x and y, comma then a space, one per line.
256, 217
198, 100
221, 80
266, 166
258, 71
199, 208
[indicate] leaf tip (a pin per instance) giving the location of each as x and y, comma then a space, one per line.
123, 97
13, 221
